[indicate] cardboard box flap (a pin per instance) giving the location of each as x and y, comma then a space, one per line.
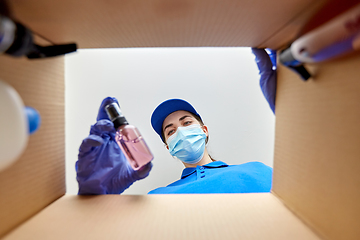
222, 216
317, 146
316, 169
161, 23
37, 178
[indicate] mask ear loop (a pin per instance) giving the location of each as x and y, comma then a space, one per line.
207, 141
207, 137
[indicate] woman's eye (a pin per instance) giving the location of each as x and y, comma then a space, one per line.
187, 123
170, 132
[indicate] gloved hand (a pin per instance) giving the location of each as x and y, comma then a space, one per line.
268, 78
102, 168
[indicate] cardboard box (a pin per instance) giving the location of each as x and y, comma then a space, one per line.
316, 183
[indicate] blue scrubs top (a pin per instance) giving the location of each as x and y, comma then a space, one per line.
218, 177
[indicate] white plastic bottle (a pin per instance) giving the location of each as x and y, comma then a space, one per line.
13, 125
17, 122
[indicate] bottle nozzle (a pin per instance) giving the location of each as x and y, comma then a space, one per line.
114, 113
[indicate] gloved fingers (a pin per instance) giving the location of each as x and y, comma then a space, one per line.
268, 86
262, 59
101, 127
102, 112
88, 143
272, 54
144, 171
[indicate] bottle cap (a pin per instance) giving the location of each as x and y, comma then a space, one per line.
34, 119
114, 113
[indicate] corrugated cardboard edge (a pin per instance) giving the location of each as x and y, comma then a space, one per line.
300, 217
37, 178
290, 30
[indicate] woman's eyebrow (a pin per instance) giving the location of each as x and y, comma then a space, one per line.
183, 117
180, 119
169, 125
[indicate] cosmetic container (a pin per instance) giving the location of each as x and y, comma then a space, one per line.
129, 139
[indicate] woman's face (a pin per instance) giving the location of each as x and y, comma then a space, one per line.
179, 119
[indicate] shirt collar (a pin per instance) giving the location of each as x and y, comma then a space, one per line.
216, 164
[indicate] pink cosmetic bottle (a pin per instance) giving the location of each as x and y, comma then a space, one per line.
129, 139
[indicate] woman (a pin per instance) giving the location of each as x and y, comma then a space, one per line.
181, 128
103, 169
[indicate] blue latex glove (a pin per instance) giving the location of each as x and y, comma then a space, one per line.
267, 71
102, 168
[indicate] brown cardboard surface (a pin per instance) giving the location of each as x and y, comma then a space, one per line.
291, 29
221, 216
316, 169
163, 23
312, 16
38, 177
331, 9
317, 146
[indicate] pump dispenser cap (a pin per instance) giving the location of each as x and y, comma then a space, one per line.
114, 113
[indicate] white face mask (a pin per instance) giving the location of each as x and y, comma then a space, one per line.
188, 144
